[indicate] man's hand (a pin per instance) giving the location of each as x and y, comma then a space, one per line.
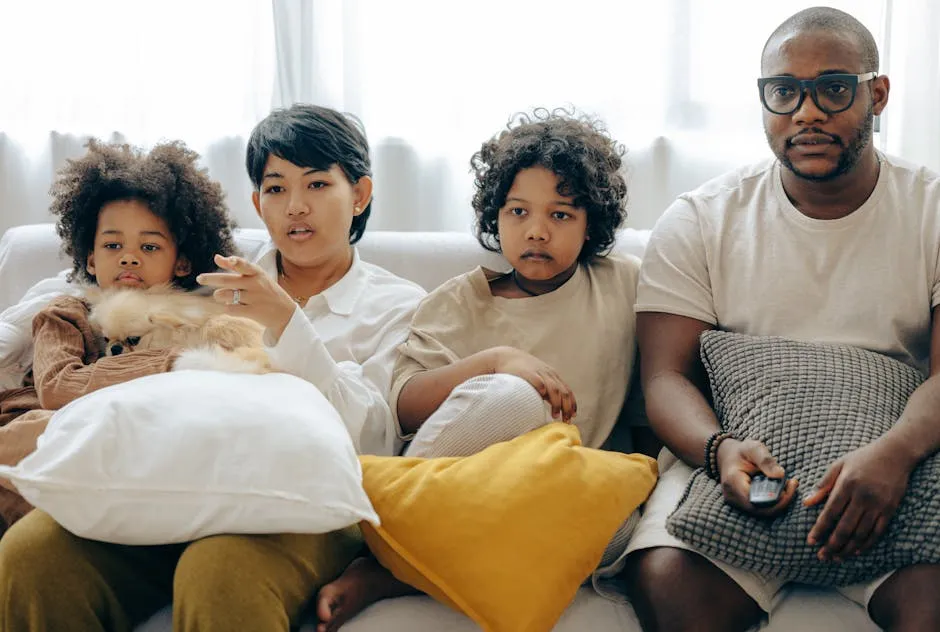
738, 461
543, 377
862, 491
259, 296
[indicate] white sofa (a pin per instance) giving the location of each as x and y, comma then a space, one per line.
31, 253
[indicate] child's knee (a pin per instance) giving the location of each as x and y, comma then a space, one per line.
482, 411
504, 389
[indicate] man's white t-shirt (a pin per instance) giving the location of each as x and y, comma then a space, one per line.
736, 254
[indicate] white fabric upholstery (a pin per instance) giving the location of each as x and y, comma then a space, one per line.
806, 610
29, 254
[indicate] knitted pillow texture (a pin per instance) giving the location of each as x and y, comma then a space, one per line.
810, 404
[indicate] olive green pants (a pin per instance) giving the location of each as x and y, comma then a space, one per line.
52, 580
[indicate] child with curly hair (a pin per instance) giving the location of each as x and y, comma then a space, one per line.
492, 354
127, 218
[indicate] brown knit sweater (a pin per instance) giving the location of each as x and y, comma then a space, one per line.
66, 365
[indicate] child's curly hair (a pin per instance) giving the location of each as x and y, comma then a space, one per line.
577, 149
166, 179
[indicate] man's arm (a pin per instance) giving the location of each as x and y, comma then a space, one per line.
916, 435
863, 489
674, 383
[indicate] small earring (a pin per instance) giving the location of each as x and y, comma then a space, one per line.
356, 210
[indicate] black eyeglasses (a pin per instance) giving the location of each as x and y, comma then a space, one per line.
831, 93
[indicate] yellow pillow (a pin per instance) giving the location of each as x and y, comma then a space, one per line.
505, 536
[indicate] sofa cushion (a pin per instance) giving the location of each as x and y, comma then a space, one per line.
810, 404
29, 254
507, 535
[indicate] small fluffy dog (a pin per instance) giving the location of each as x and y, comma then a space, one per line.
162, 317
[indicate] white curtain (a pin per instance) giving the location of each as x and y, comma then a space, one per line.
674, 80
912, 126
139, 72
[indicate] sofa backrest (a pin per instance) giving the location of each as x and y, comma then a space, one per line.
31, 253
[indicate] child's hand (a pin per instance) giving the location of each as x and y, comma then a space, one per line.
259, 297
541, 376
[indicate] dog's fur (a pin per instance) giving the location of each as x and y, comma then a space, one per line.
163, 317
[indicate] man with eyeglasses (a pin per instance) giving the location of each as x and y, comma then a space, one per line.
830, 242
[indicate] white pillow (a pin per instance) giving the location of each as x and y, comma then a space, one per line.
178, 456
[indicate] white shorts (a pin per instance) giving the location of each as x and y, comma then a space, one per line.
651, 532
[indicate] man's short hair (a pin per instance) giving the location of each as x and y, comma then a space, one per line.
828, 19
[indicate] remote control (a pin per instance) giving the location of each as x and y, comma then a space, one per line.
765, 492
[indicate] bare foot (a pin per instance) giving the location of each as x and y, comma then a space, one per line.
363, 583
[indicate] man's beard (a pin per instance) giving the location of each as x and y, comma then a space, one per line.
851, 152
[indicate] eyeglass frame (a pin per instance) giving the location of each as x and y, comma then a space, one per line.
809, 85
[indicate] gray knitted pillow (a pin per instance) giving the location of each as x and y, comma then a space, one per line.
810, 404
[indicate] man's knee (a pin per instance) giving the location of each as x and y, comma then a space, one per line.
908, 599
674, 589
653, 574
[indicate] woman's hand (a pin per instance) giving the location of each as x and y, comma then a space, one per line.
259, 296
541, 376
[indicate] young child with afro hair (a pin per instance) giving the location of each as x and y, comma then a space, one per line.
127, 218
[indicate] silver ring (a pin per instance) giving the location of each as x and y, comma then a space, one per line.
236, 297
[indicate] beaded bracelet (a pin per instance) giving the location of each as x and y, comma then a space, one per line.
711, 453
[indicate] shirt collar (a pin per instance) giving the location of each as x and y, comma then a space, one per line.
341, 297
